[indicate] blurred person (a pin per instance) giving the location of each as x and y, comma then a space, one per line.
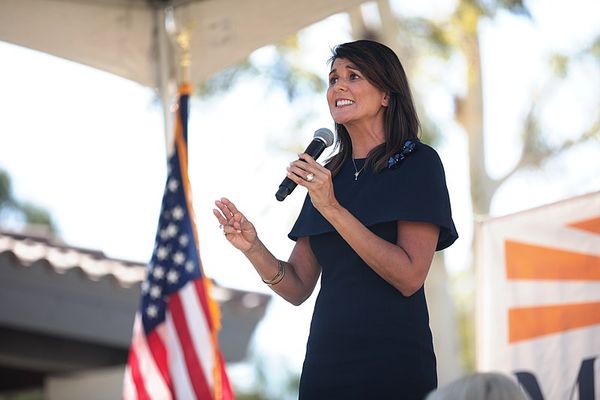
480, 386
373, 217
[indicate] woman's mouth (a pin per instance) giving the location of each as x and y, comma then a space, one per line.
343, 102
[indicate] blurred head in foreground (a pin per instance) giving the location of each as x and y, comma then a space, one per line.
480, 386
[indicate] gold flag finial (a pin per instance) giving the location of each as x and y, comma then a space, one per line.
184, 39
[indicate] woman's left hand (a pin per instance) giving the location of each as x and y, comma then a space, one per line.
317, 179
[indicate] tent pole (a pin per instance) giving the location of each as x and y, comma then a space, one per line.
165, 70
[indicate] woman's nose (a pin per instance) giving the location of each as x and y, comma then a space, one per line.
340, 86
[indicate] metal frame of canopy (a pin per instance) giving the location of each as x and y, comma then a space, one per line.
135, 39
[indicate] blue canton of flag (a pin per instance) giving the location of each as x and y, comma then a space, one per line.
175, 258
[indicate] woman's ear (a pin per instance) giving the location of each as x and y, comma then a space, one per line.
386, 100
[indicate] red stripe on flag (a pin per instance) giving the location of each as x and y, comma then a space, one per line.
136, 376
159, 353
195, 370
203, 297
226, 390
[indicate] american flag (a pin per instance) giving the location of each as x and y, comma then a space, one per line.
174, 351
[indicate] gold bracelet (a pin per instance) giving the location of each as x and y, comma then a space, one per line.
277, 278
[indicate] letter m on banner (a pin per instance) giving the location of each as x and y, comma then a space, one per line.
538, 298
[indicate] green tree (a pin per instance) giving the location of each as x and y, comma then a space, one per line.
13, 209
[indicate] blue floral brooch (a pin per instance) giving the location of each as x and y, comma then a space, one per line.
395, 160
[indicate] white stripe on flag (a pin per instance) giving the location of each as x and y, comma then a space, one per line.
129, 392
199, 330
179, 373
153, 380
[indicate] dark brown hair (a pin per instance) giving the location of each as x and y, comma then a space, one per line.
382, 68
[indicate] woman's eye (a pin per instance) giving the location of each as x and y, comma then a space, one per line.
354, 76
333, 80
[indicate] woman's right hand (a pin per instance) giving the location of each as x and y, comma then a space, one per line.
237, 229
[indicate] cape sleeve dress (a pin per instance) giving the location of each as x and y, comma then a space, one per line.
367, 340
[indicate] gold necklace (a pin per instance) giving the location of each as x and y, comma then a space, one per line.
356, 170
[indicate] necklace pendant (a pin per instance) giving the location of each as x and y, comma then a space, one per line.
356, 170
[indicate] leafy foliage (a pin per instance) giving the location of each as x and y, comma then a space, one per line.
282, 72
13, 209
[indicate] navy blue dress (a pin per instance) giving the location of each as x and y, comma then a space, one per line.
367, 340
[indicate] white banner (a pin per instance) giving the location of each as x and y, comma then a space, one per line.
538, 298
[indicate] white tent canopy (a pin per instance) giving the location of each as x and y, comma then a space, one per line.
123, 36
130, 38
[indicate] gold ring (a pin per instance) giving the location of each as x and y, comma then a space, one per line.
310, 177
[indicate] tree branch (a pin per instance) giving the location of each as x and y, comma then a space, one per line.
535, 152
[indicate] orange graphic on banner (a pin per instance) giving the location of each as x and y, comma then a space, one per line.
590, 225
527, 261
532, 322
533, 262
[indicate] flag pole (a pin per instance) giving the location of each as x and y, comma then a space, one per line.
165, 71
174, 352
183, 39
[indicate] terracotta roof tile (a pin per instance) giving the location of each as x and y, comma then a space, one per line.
62, 258
31, 248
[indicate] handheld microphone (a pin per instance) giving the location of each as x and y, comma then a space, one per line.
323, 138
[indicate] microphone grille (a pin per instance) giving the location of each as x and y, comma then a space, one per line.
326, 135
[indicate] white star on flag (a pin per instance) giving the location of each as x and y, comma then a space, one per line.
189, 266
177, 213
164, 234
172, 276
158, 272
155, 292
179, 258
162, 253
183, 240
173, 184
171, 230
152, 311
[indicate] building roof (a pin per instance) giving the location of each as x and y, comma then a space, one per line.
29, 248
78, 298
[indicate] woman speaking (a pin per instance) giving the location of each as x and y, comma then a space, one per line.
373, 217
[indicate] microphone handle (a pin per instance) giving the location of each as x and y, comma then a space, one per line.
285, 189
314, 149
